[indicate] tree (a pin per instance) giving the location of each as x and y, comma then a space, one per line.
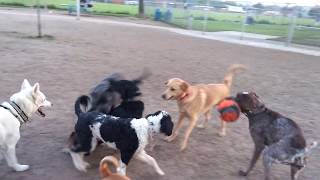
286, 10
218, 4
315, 12
258, 6
141, 8
231, 3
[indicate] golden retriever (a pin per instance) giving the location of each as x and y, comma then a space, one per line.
194, 100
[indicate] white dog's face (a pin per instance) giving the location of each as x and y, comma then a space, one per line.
31, 99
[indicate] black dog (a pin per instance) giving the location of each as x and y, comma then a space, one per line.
279, 137
129, 135
114, 96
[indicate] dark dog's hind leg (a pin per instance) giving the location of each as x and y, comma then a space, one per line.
257, 152
297, 167
294, 172
267, 163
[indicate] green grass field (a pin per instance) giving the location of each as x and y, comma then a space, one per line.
217, 21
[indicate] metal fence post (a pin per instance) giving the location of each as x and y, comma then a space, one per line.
205, 20
243, 27
291, 28
78, 9
39, 19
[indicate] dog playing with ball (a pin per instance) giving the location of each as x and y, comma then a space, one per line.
195, 100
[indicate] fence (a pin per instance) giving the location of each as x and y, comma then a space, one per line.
281, 24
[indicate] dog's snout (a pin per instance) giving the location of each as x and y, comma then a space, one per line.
163, 96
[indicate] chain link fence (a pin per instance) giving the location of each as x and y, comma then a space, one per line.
278, 23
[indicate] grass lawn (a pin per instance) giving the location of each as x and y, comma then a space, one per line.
98, 8
217, 21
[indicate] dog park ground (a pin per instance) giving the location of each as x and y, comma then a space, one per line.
76, 55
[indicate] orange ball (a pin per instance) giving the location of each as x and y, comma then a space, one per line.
229, 110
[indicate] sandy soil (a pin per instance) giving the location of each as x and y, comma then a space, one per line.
79, 54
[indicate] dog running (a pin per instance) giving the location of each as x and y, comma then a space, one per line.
195, 100
129, 135
279, 138
116, 96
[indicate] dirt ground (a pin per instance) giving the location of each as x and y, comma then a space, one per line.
79, 54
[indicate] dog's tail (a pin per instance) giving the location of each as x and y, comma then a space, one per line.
145, 74
104, 168
82, 104
227, 80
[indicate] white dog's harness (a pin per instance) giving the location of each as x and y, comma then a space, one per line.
16, 111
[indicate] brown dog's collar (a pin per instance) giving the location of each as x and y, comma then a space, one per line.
185, 95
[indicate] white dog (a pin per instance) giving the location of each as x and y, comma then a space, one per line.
13, 114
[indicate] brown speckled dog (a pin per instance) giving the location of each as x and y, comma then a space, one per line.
195, 100
278, 137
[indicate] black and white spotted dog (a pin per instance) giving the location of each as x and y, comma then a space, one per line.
129, 135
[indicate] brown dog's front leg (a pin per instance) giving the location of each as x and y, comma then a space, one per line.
192, 124
223, 128
204, 124
257, 152
176, 128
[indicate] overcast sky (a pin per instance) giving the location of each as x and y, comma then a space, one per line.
298, 2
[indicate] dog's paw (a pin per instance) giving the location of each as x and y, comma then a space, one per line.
86, 165
81, 167
183, 147
170, 138
242, 173
222, 134
21, 168
201, 126
161, 173
66, 150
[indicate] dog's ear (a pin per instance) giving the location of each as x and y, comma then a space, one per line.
35, 88
168, 81
184, 86
166, 125
25, 84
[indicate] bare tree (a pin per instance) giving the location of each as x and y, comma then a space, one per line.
141, 8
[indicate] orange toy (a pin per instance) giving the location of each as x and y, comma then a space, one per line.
229, 110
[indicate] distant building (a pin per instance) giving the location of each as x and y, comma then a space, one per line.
236, 9
271, 13
117, 1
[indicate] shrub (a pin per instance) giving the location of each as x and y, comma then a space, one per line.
263, 22
12, 4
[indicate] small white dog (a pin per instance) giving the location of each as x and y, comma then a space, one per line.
13, 114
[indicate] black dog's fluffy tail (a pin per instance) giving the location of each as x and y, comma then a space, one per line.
145, 74
82, 104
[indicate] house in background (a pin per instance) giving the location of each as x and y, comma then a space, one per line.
236, 9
